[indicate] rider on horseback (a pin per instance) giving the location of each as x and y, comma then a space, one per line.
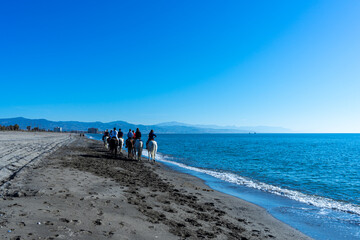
120, 134
130, 137
138, 134
152, 135
114, 134
106, 134
130, 134
113, 141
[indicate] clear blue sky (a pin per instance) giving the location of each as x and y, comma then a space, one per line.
294, 64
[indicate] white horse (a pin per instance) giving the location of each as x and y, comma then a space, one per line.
138, 148
152, 149
121, 144
105, 140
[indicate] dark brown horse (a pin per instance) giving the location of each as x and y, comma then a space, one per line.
113, 145
130, 146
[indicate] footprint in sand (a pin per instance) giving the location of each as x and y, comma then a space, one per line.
82, 231
169, 209
75, 221
46, 203
97, 222
64, 220
16, 238
44, 210
21, 224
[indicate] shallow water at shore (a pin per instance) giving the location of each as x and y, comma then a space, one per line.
310, 181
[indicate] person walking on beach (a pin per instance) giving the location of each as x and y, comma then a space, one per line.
138, 134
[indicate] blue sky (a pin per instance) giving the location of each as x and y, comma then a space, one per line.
293, 64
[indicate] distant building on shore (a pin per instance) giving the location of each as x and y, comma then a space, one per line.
57, 129
93, 130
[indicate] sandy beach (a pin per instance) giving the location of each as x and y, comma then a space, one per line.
72, 188
20, 149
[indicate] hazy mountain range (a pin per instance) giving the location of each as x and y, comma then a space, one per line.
167, 127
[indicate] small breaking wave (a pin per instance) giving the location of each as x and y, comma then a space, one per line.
95, 136
316, 201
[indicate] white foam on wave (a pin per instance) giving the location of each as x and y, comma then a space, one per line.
90, 137
313, 200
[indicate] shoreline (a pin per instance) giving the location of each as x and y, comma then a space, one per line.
297, 211
81, 192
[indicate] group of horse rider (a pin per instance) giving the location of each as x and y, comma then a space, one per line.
114, 141
130, 135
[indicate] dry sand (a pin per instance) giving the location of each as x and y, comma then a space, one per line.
80, 191
19, 149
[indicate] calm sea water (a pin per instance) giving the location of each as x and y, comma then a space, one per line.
310, 181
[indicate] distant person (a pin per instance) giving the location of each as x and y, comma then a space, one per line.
152, 136
114, 134
106, 133
138, 134
120, 134
130, 134
133, 132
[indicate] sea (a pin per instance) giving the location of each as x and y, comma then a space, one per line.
309, 181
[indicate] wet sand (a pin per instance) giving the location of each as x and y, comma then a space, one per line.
80, 191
